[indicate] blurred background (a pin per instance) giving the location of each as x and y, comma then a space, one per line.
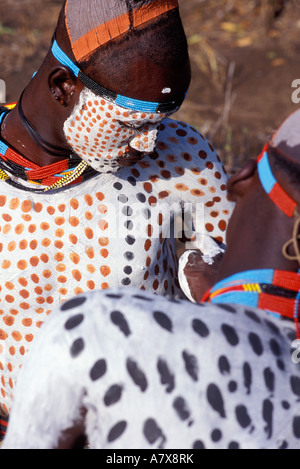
245, 56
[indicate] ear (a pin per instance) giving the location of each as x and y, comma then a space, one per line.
238, 183
62, 84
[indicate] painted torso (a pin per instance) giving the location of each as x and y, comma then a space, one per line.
98, 235
160, 375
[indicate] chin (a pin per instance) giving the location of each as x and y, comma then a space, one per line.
130, 158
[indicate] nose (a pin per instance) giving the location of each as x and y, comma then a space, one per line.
145, 142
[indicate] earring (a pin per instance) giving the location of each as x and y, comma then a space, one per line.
293, 242
59, 99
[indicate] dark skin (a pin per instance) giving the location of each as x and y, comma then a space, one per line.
256, 233
201, 276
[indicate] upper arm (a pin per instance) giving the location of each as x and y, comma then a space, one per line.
47, 400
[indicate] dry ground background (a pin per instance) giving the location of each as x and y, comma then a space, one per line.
245, 56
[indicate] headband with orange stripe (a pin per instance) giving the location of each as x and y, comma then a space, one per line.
280, 198
95, 23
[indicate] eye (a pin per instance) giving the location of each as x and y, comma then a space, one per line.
130, 126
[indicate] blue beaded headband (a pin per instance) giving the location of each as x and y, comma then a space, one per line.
276, 193
129, 103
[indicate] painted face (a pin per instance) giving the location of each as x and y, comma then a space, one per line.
103, 133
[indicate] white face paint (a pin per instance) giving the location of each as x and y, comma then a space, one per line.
166, 91
102, 132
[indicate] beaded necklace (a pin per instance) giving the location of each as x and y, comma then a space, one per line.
3, 426
277, 292
14, 168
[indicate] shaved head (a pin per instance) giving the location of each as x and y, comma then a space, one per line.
285, 148
96, 23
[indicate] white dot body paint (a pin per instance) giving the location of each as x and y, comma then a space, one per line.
166, 91
101, 132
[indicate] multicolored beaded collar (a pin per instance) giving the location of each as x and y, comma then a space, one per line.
15, 168
276, 292
3, 426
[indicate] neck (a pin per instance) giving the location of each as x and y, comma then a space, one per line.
259, 260
17, 134
256, 242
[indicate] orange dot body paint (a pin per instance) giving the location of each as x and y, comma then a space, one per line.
114, 229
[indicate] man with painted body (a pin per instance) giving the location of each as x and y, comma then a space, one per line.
93, 172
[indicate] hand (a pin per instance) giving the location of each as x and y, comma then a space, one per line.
196, 276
